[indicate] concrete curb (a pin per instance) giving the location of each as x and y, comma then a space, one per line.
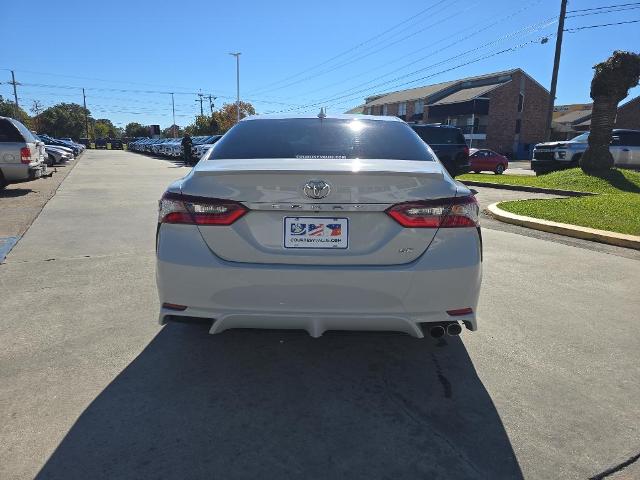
585, 233
526, 188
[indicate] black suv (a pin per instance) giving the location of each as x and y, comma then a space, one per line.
116, 144
448, 144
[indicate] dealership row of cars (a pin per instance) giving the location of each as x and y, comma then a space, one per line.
26, 156
172, 147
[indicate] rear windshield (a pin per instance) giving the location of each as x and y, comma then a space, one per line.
28, 136
14, 132
440, 135
315, 138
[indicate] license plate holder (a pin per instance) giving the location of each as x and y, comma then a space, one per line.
316, 233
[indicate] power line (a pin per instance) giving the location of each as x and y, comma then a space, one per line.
352, 60
604, 7
345, 52
435, 52
570, 30
604, 12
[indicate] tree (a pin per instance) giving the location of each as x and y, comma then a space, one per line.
226, 117
203, 125
64, 120
36, 109
104, 128
611, 83
7, 109
134, 129
169, 131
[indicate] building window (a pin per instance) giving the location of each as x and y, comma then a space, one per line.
402, 108
418, 107
520, 102
518, 125
384, 109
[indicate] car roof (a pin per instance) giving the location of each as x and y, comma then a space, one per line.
343, 116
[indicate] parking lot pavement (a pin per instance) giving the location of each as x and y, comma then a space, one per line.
92, 387
519, 167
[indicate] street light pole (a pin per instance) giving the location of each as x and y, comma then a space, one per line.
173, 110
556, 67
86, 114
237, 55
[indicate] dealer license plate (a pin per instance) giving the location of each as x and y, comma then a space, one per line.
316, 232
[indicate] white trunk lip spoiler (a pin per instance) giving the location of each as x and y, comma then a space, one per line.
325, 166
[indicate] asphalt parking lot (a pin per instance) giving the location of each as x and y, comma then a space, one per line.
92, 387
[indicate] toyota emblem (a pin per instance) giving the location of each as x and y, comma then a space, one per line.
317, 189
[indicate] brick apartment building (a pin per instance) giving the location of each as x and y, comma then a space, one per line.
571, 120
504, 111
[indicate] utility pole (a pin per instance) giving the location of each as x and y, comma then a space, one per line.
86, 113
211, 99
237, 55
15, 94
556, 67
173, 110
201, 99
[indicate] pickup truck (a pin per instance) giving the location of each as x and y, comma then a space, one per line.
549, 156
22, 155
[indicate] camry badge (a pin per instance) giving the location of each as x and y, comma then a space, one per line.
317, 189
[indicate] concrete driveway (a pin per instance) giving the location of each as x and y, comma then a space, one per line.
92, 387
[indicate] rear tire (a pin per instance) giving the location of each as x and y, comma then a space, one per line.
3, 182
499, 169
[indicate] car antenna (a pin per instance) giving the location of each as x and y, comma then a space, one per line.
322, 114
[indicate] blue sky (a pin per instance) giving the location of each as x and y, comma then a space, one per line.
296, 55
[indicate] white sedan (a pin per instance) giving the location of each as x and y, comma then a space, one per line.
320, 223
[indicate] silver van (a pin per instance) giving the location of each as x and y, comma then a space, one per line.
22, 156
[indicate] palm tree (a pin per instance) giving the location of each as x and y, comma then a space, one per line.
611, 83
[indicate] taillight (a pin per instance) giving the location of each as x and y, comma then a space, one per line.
185, 209
441, 213
25, 155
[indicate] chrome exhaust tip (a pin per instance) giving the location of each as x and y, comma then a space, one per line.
437, 331
454, 329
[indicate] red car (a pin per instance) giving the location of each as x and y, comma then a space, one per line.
485, 159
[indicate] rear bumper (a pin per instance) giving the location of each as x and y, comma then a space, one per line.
319, 298
18, 172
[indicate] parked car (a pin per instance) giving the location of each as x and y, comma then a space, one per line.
116, 144
57, 155
549, 156
100, 143
22, 155
335, 222
75, 147
201, 148
448, 144
483, 159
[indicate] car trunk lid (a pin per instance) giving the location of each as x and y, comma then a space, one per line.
359, 193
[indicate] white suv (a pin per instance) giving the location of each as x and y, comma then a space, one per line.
625, 148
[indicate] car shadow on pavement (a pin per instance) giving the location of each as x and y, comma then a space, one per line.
265, 404
14, 192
